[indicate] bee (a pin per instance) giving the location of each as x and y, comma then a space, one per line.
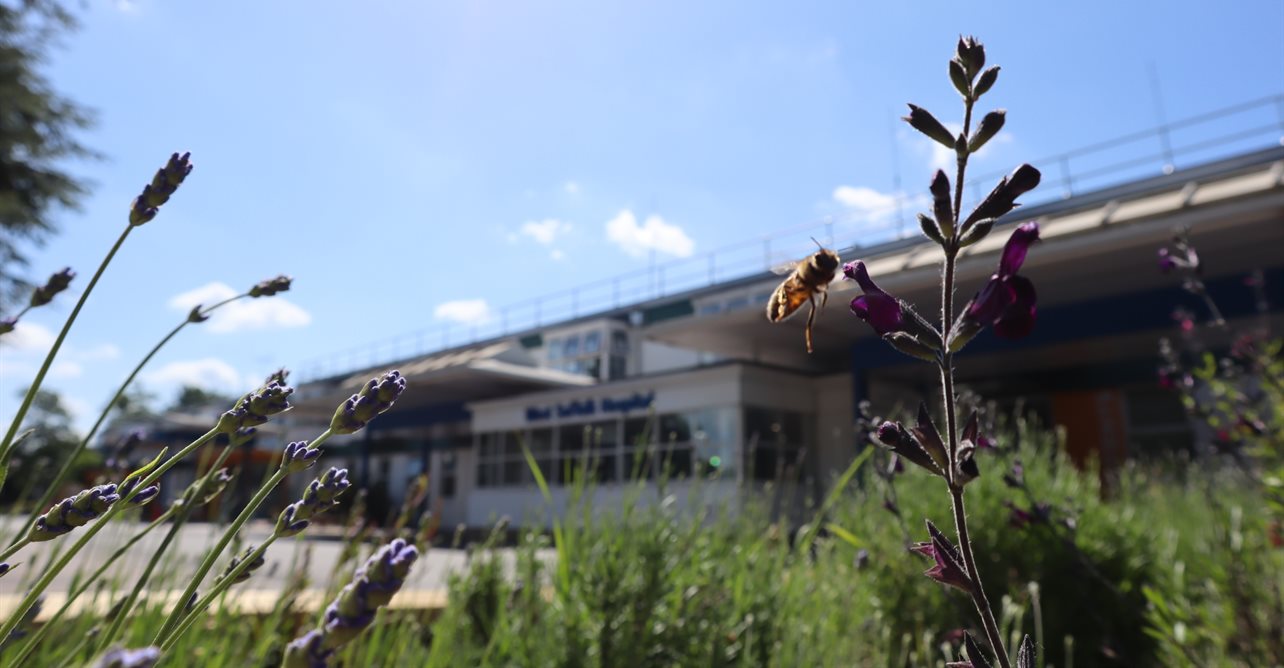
807, 279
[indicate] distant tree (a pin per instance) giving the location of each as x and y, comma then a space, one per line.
41, 454
135, 404
38, 130
193, 399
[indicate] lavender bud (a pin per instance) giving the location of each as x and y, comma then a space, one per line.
374, 586
374, 399
73, 512
256, 407
139, 212
118, 657
923, 121
144, 495
158, 192
271, 286
989, 126
197, 315
298, 456
56, 283
249, 570
8, 324
307, 652
288, 523
5, 568
325, 490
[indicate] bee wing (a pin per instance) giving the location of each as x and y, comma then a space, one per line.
785, 268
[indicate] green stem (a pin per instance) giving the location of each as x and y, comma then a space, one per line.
84, 586
53, 352
217, 590
17, 545
43, 584
179, 520
70, 461
176, 615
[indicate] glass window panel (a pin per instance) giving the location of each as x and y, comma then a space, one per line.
592, 342
554, 349
638, 431
619, 367
572, 346
571, 438
674, 428
540, 440
602, 435
619, 343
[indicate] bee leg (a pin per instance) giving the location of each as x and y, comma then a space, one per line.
811, 318
824, 298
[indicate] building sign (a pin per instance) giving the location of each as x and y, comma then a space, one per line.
590, 407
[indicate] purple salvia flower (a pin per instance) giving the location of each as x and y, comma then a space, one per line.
1166, 261
949, 563
1015, 478
8, 324
118, 657
74, 511
298, 456
271, 286
5, 568
374, 399
1007, 302
877, 308
56, 283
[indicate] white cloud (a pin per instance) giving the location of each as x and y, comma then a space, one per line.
571, 188
464, 311
940, 156
208, 372
244, 314
866, 200
545, 231
557, 254
28, 337
653, 235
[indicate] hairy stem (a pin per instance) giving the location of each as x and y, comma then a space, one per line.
43, 503
53, 351
951, 417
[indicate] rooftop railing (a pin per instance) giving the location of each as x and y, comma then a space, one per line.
1221, 133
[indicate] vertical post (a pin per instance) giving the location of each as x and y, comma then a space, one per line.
1067, 181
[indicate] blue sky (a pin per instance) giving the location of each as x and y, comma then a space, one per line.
419, 164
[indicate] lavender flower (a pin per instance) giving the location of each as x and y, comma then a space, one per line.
74, 511
256, 407
163, 185
1007, 302
249, 570
144, 495
197, 315
5, 568
949, 563
118, 657
320, 496
298, 456
56, 283
374, 399
271, 286
373, 586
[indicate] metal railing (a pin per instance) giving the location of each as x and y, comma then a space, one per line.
1221, 133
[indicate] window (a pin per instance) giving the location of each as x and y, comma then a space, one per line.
592, 343
619, 367
447, 475
501, 462
572, 346
554, 348
587, 447
774, 440
619, 342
